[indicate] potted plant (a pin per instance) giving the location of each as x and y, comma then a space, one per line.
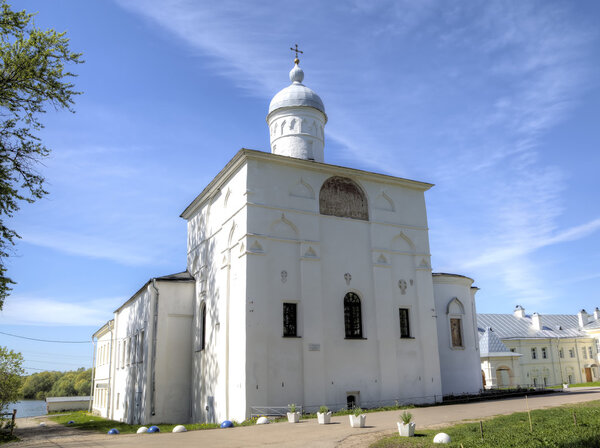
405, 427
324, 415
357, 418
292, 415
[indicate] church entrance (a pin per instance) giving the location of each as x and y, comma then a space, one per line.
588, 375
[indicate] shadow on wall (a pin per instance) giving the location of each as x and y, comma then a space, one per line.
205, 367
136, 358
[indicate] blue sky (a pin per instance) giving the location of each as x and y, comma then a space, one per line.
494, 102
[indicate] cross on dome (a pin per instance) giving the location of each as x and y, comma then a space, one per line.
296, 60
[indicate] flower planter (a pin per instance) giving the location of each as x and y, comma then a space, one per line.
324, 418
406, 429
293, 417
358, 421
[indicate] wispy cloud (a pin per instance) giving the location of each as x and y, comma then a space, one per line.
461, 94
23, 310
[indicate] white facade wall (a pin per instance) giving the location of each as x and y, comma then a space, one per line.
262, 220
216, 258
553, 370
460, 365
130, 367
102, 370
164, 309
501, 371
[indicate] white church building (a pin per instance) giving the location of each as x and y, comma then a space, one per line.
306, 283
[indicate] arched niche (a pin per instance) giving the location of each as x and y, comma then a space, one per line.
340, 196
455, 307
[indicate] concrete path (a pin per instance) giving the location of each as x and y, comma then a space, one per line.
307, 433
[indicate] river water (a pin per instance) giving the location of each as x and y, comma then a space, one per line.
28, 408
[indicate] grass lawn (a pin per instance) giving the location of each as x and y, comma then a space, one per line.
553, 428
594, 384
86, 421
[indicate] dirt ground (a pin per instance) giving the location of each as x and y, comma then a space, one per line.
306, 434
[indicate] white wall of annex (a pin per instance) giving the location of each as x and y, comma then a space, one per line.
460, 366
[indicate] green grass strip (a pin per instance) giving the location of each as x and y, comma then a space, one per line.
552, 428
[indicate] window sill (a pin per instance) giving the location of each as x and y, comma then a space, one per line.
356, 339
407, 337
291, 337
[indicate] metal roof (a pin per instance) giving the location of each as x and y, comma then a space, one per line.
491, 343
509, 326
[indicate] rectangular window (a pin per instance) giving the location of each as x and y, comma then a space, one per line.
544, 353
535, 382
123, 350
571, 353
584, 352
456, 331
118, 400
290, 320
404, 323
513, 350
561, 353
534, 353
141, 349
590, 352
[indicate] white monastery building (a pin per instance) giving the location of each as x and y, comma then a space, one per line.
306, 283
538, 350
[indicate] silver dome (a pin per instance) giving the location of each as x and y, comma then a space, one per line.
296, 94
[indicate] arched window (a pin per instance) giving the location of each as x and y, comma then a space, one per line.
352, 316
203, 334
340, 196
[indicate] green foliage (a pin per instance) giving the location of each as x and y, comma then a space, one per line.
406, 417
552, 428
32, 76
292, 407
323, 409
57, 384
357, 411
11, 369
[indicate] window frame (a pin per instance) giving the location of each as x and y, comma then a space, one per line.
534, 353
353, 316
202, 341
407, 334
291, 305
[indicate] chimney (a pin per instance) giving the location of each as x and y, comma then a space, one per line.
519, 311
583, 318
536, 321
596, 313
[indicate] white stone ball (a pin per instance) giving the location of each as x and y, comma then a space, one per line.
179, 428
42, 424
262, 421
441, 437
142, 430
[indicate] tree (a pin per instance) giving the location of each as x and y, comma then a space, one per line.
10, 376
32, 76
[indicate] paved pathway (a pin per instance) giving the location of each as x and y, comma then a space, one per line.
307, 433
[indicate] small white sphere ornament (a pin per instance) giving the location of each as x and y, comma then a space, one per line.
179, 428
262, 421
42, 423
142, 430
441, 437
